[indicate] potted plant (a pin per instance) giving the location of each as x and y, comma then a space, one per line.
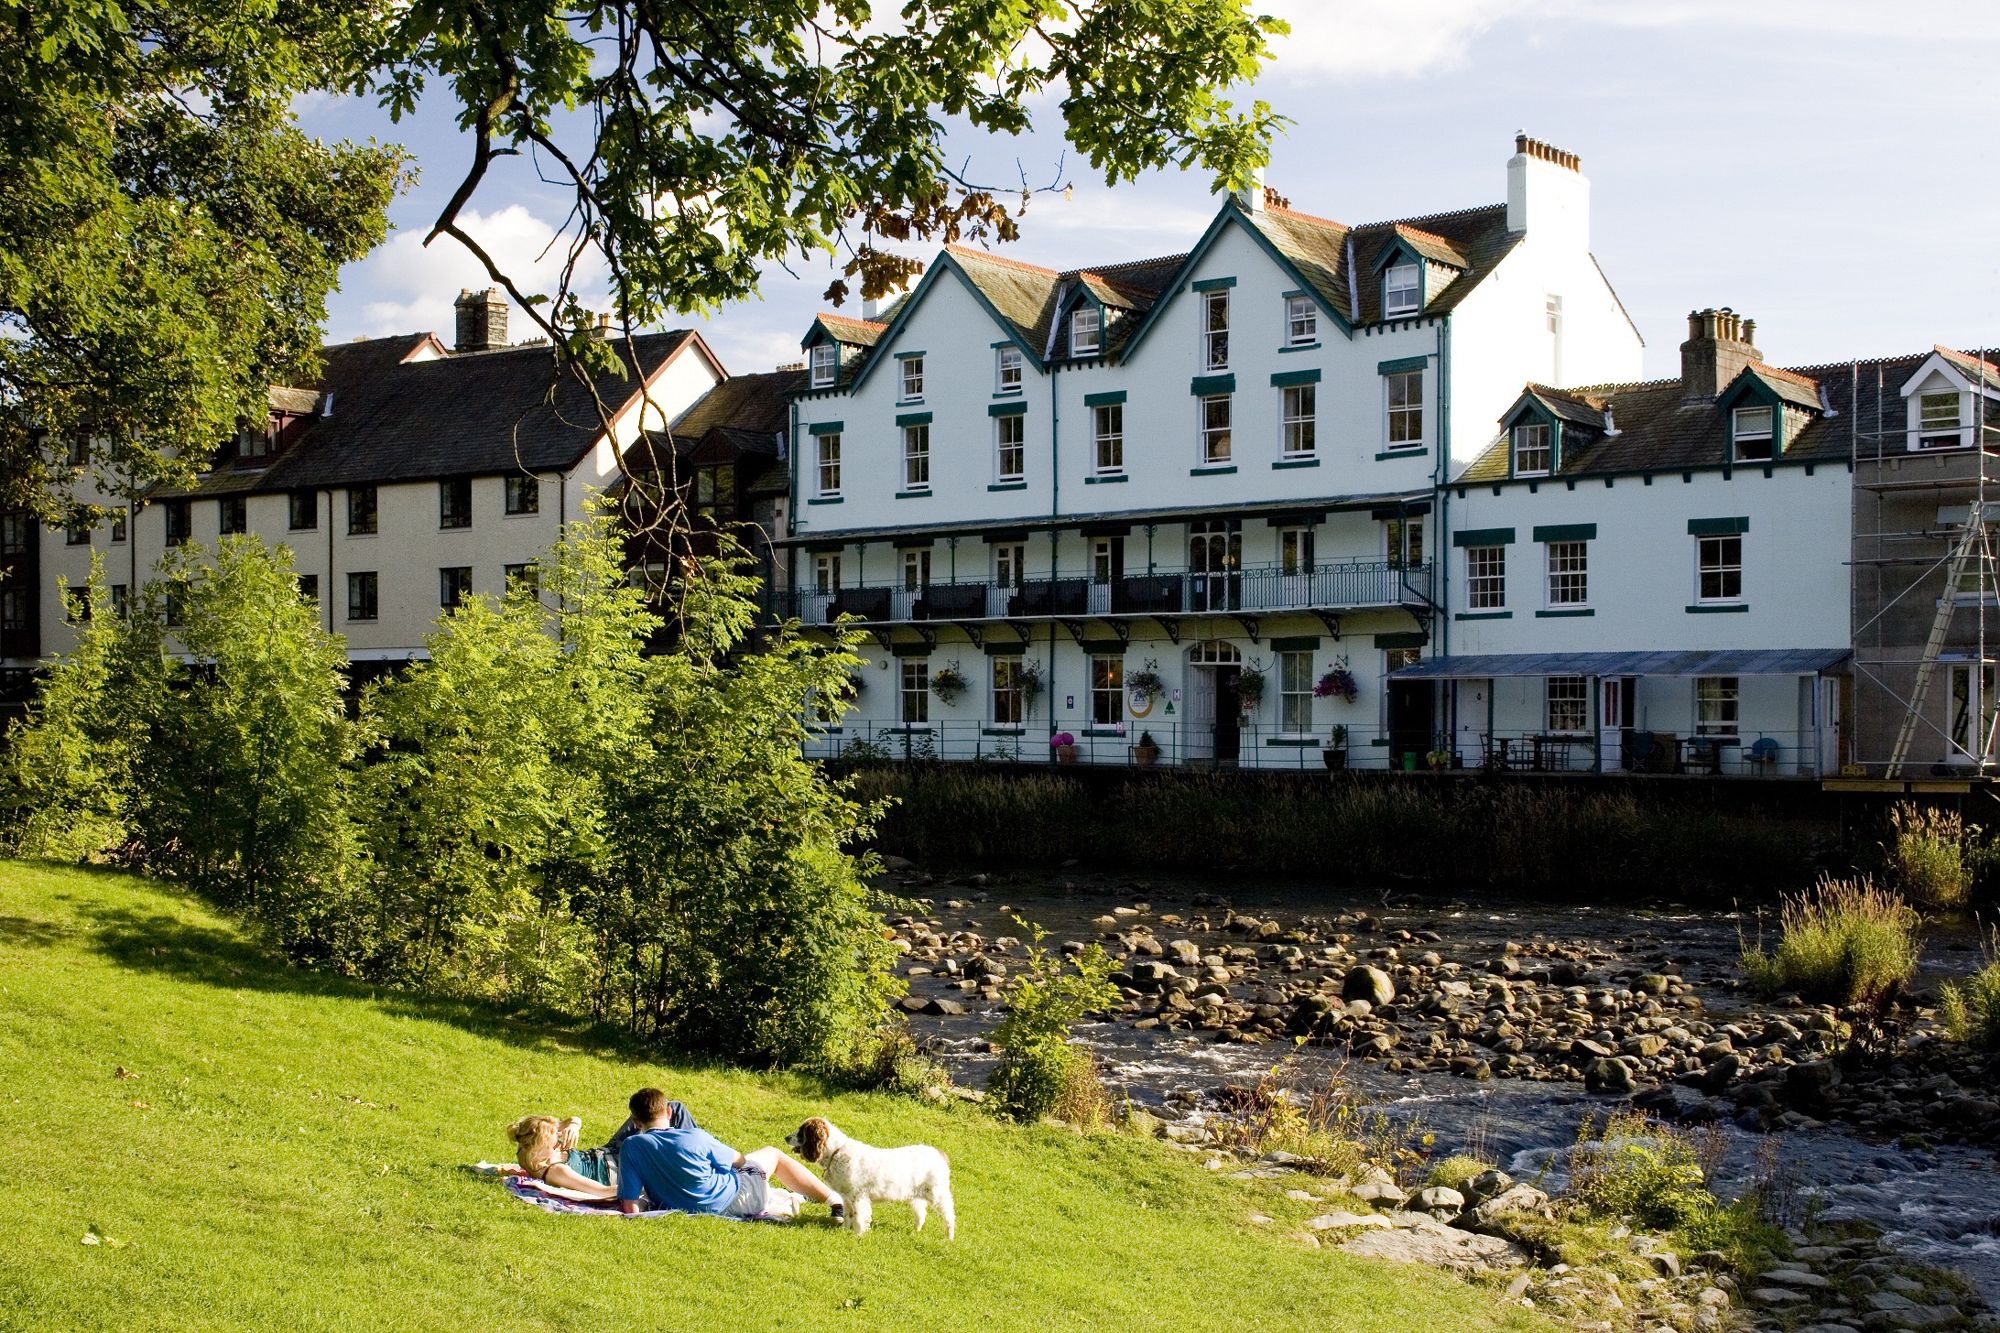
1439, 760
947, 683
1249, 688
1063, 746
1146, 683
1147, 752
1337, 683
1335, 754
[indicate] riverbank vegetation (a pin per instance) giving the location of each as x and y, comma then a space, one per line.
543, 814
1549, 840
1929, 854
1844, 941
261, 1145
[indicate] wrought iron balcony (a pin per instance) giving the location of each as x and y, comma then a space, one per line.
1334, 586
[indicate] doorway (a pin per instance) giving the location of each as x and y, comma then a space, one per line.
1214, 721
1412, 708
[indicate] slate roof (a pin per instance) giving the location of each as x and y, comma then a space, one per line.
1661, 430
857, 332
746, 414
1472, 242
480, 414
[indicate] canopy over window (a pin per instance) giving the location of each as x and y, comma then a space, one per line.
1688, 662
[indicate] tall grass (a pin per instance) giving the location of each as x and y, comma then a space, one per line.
1970, 1012
1929, 854
1454, 835
1844, 941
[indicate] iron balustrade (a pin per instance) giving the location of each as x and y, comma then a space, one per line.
1333, 586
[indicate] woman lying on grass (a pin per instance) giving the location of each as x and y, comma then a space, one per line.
546, 1149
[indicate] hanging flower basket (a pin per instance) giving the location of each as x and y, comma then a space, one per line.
1337, 683
1147, 684
947, 684
1249, 688
1029, 680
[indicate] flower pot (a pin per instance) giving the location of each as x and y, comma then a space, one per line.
1410, 762
1334, 759
1145, 756
1065, 754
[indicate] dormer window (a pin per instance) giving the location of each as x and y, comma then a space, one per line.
1751, 433
1531, 450
1399, 290
1940, 424
1084, 331
825, 360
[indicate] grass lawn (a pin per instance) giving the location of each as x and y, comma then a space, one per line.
289, 1154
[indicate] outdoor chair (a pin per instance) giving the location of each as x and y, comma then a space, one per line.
1763, 755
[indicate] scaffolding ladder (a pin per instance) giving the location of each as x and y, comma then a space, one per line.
1968, 541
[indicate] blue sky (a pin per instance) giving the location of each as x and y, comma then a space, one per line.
1826, 168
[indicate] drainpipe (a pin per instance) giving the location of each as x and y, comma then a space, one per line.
1055, 536
326, 592
792, 448
1441, 501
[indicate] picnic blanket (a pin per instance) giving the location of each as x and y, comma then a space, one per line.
782, 1206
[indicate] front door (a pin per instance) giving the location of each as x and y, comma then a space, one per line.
1619, 705
1412, 706
1200, 722
1228, 716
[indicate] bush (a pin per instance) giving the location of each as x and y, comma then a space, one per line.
1455, 1172
1843, 942
1632, 1168
1970, 1012
1929, 855
1039, 1070
1334, 1129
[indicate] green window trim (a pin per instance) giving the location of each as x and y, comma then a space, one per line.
1566, 532
1104, 480
1388, 454
914, 543
910, 650
824, 499
1110, 398
826, 427
1402, 364
905, 356
1484, 615
1103, 647
1004, 342
913, 419
1293, 742
1297, 643
1565, 613
1717, 527
1717, 609
1015, 649
913, 495
1286, 463
1211, 284
1207, 386
1483, 537
1401, 639
1007, 486
1285, 379
1299, 347
1013, 409
1215, 470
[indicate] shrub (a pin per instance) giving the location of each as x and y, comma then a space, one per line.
1324, 1121
1970, 1012
1632, 1168
1929, 854
1842, 942
1455, 1172
1039, 1069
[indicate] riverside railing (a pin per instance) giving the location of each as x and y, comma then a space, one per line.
1336, 585
1264, 746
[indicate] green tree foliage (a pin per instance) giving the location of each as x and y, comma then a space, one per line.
167, 235
70, 765
1037, 1062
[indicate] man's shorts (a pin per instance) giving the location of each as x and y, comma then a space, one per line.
753, 1191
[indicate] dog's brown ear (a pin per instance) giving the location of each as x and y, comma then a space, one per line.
812, 1138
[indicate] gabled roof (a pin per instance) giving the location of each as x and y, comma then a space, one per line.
743, 415
1661, 430
478, 414
847, 329
1972, 367
1559, 403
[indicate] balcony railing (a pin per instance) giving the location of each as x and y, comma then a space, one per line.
1336, 586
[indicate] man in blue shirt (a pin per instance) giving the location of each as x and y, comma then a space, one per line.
690, 1170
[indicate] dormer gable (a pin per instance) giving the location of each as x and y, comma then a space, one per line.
969, 267
1946, 397
833, 345
1546, 428
1765, 408
1412, 269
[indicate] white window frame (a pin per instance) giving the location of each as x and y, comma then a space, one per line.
826, 464
1301, 321
1743, 431
1215, 430
916, 564
1721, 566
917, 457
913, 693
826, 573
1107, 690
1017, 423
825, 361
1086, 330
1403, 540
1926, 435
1407, 415
910, 374
1566, 704
1298, 421
1532, 438
1568, 566
1010, 564
1295, 693
1718, 705
1215, 329
1103, 561
1107, 433
1009, 369
1486, 578
1295, 551
1006, 707
1402, 289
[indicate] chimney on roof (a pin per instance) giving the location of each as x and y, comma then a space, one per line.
482, 320
1718, 346
1251, 196
1548, 195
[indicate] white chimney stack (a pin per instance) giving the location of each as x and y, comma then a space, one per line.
1548, 195
1251, 196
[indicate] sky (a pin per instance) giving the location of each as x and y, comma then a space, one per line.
1825, 167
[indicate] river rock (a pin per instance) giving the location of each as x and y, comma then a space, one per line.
1435, 1245
1609, 1076
1515, 1201
1340, 1221
1486, 1185
1381, 1193
1441, 1201
1368, 983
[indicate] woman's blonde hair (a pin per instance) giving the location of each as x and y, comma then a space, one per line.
535, 1142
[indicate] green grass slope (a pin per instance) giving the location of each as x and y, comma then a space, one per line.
288, 1156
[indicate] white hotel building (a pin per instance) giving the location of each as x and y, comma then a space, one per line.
1192, 469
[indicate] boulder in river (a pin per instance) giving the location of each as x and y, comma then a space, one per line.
1368, 983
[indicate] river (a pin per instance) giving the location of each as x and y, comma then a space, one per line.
1940, 1205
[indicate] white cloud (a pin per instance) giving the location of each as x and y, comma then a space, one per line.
407, 286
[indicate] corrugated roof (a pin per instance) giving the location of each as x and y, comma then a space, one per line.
1683, 662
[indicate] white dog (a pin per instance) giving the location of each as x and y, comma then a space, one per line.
917, 1175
